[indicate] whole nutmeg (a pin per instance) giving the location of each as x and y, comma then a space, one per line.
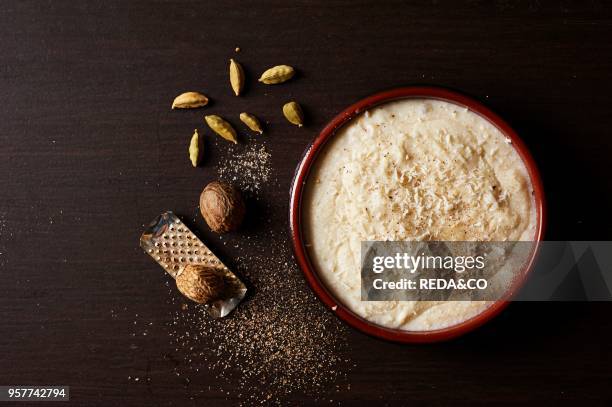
222, 207
200, 283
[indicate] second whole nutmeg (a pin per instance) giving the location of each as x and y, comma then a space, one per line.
222, 207
200, 283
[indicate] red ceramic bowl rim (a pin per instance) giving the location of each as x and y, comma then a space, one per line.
295, 213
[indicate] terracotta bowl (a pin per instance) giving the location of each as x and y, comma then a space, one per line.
295, 212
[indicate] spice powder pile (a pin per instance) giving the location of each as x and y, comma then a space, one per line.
277, 343
248, 169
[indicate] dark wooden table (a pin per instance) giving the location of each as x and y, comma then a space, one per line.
90, 151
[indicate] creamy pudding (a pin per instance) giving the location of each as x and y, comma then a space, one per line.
414, 169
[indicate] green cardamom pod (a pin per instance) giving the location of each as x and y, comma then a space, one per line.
236, 74
221, 127
189, 100
277, 74
293, 113
252, 122
195, 154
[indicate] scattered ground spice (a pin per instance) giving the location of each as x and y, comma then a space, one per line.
280, 341
248, 169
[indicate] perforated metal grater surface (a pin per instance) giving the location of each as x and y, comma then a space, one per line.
173, 246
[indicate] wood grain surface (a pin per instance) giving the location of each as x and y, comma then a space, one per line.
90, 152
